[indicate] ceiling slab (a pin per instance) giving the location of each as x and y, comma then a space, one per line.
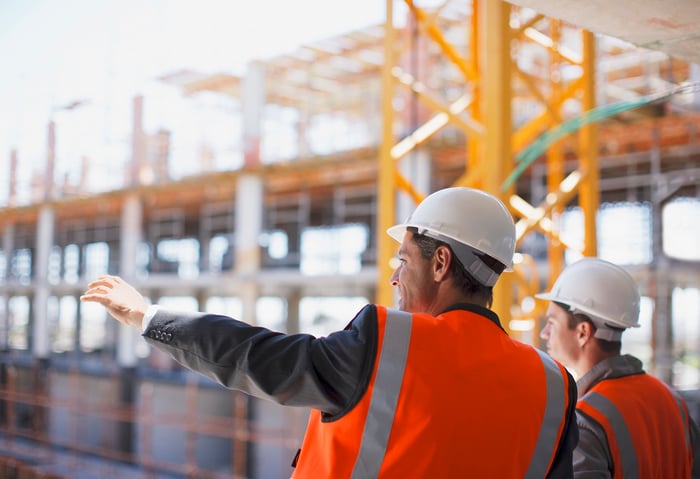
670, 26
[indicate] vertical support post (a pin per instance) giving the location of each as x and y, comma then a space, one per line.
662, 318
41, 347
8, 236
8, 246
40, 324
293, 298
249, 215
386, 215
474, 143
130, 237
253, 100
50, 161
495, 77
12, 195
555, 158
589, 192
138, 144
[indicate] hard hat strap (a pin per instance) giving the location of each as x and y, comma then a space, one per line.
470, 259
603, 330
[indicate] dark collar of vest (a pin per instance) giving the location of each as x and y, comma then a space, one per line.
475, 308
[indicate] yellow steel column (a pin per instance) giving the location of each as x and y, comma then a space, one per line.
386, 214
497, 159
474, 142
589, 193
555, 156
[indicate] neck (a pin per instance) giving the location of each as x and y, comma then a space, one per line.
591, 355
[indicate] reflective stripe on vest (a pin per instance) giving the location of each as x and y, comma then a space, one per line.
684, 414
555, 410
622, 435
387, 385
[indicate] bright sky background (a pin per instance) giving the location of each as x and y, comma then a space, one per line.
53, 53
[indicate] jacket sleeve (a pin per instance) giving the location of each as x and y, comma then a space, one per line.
591, 458
562, 464
328, 373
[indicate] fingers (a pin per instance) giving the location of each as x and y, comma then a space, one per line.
96, 293
105, 280
98, 289
96, 298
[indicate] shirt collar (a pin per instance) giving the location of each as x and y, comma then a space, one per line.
475, 308
609, 368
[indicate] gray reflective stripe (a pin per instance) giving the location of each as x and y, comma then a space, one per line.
553, 416
684, 416
628, 455
385, 394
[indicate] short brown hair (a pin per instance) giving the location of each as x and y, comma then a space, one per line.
574, 319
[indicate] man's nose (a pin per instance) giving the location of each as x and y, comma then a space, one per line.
394, 280
544, 332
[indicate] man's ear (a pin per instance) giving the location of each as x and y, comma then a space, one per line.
442, 259
584, 332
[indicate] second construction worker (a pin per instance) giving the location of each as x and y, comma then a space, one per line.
631, 424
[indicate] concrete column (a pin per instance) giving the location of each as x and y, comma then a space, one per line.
249, 214
138, 144
7, 248
130, 237
12, 196
8, 239
662, 323
41, 345
44, 240
252, 103
293, 300
129, 242
695, 76
50, 162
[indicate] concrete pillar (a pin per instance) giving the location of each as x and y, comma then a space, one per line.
138, 144
44, 240
252, 103
249, 214
694, 77
12, 196
127, 359
662, 324
41, 345
8, 239
129, 242
293, 300
50, 162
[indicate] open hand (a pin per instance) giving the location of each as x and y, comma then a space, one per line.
120, 299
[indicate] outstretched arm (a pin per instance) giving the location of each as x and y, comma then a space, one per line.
328, 373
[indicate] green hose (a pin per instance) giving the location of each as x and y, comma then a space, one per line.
527, 156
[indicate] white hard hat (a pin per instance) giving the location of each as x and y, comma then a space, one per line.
473, 222
603, 291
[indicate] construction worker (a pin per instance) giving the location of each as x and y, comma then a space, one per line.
435, 389
631, 424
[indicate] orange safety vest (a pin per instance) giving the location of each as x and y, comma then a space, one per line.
646, 424
449, 396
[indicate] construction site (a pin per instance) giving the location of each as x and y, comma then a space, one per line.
586, 129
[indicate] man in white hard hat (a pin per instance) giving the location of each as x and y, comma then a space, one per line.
434, 389
631, 424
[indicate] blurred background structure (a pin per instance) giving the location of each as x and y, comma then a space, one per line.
262, 188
